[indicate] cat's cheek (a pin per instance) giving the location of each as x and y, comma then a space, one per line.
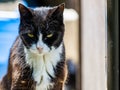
46, 49
34, 51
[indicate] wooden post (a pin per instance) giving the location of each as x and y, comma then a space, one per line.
113, 45
93, 44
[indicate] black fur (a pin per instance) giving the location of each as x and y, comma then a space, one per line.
46, 21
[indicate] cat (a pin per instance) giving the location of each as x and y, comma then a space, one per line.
37, 57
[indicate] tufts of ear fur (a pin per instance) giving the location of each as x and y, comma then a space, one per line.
57, 12
60, 9
25, 13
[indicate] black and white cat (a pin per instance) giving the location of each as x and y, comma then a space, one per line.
37, 57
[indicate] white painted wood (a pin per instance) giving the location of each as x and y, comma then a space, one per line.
93, 44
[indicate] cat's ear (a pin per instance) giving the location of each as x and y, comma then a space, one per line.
25, 13
57, 12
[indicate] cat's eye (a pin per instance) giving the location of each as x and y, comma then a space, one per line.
30, 35
49, 35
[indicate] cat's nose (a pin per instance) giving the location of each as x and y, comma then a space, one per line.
39, 49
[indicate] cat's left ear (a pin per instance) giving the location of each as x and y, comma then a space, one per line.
57, 12
25, 12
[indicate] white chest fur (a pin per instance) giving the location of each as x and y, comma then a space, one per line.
43, 67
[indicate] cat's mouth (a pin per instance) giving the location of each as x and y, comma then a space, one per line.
39, 51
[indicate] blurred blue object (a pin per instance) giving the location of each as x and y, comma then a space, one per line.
8, 33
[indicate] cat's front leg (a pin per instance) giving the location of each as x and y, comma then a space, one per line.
59, 86
23, 85
22, 78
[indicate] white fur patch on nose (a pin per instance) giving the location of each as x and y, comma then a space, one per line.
41, 46
40, 42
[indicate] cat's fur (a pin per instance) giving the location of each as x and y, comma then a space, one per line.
37, 57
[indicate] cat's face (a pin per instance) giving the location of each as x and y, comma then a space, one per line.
41, 29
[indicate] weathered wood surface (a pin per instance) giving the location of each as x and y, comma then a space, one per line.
93, 31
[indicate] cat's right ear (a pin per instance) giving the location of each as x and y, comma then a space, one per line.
25, 13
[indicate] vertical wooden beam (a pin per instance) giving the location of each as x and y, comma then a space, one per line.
78, 75
113, 45
93, 44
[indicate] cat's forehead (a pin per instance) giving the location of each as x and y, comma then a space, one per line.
41, 13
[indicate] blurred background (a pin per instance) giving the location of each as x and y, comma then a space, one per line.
91, 40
